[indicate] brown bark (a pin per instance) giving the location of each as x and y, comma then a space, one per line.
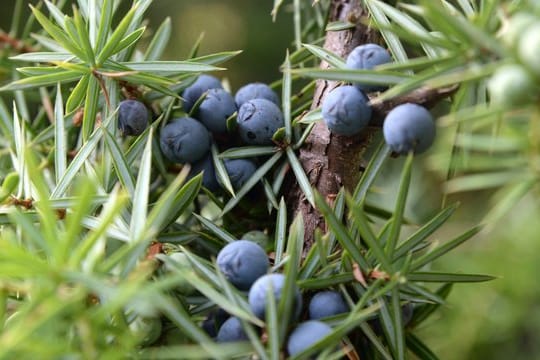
331, 161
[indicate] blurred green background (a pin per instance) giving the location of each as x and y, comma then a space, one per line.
495, 320
228, 25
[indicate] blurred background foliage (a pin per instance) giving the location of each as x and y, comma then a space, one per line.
494, 320
240, 25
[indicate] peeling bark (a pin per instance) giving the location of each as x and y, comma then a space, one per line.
333, 161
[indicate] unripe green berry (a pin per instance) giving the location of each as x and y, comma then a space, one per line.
172, 335
178, 260
146, 329
529, 48
11, 182
9, 185
516, 26
511, 85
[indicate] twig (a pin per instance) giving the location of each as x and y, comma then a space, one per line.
425, 96
16, 44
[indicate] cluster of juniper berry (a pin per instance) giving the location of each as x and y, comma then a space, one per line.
245, 264
256, 108
188, 139
346, 110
